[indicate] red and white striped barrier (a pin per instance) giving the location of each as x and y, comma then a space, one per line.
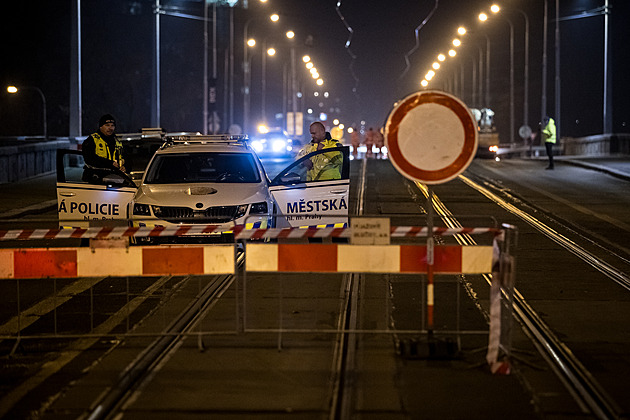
133, 261
219, 259
366, 258
240, 232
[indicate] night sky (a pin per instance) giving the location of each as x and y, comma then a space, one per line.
117, 61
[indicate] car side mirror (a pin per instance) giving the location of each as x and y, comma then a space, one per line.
291, 178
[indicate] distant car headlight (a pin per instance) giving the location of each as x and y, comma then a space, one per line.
493, 148
279, 146
258, 145
141, 210
259, 208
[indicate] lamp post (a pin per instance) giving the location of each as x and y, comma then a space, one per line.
14, 89
266, 52
247, 70
512, 125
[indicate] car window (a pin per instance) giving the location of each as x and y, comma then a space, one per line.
202, 167
73, 168
322, 165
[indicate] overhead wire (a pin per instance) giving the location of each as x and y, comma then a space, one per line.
353, 56
417, 30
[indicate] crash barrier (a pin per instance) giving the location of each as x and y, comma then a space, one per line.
263, 258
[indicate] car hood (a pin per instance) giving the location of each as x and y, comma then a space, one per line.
186, 195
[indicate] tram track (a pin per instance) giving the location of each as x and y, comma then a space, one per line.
578, 380
115, 397
114, 400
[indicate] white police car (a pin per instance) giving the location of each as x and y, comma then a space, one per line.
209, 180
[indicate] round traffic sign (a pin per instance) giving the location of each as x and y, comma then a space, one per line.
431, 137
525, 132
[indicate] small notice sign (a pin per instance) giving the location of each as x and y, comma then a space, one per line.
370, 231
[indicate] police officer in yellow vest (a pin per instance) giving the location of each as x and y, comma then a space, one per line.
324, 166
549, 138
102, 151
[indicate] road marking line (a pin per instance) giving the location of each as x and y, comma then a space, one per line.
35, 312
76, 348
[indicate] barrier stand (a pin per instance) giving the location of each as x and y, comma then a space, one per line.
501, 302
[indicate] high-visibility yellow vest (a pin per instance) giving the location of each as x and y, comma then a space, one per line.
326, 166
549, 132
103, 151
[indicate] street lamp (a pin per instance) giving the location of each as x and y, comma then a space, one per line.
14, 90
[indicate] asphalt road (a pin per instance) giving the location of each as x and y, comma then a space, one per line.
246, 375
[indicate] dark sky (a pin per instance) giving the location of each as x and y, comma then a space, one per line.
117, 60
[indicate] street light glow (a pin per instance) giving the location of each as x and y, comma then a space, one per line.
290, 34
436, 65
251, 42
441, 57
310, 65
306, 58
452, 53
430, 75
274, 17
12, 89
461, 30
457, 42
483, 17
320, 82
424, 83
495, 8
271, 51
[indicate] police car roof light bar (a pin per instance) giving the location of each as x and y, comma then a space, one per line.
210, 138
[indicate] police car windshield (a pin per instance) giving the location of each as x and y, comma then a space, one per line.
202, 167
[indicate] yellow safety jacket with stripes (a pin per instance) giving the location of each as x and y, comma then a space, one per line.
103, 151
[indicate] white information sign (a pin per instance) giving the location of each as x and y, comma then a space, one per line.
370, 231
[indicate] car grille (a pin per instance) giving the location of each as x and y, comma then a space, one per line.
211, 215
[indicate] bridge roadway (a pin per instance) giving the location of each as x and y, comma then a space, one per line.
245, 375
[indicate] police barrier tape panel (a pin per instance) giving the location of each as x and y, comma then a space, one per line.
219, 259
240, 232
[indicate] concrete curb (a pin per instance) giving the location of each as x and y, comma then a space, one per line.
42, 207
613, 172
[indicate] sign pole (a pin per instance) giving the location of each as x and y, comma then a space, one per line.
430, 254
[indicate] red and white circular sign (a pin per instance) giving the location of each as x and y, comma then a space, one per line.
431, 137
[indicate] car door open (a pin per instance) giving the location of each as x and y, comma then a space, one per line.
314, 190
82, 204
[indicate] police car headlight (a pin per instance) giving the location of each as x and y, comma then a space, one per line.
259, 208
279, 146
241, 211
141, 210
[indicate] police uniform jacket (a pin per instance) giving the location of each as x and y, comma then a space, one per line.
101, 151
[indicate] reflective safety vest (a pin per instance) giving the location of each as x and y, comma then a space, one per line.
549, 132
326, 166
103, 151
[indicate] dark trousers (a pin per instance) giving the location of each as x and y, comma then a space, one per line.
549, 147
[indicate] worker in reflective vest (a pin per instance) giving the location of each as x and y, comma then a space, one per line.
102, 151
324, 166
549, 138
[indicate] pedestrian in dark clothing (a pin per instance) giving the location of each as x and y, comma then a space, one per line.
549, 138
